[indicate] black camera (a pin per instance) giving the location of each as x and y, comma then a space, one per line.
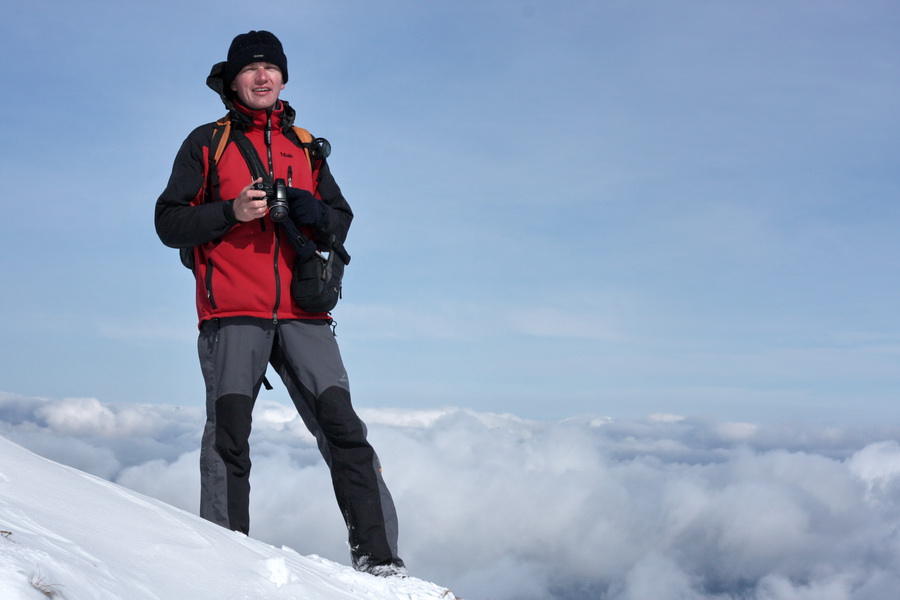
276, 198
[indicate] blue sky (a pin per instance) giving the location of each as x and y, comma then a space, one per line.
614, 208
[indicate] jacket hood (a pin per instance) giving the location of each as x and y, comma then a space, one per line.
216, 83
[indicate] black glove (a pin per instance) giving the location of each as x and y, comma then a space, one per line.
304, 208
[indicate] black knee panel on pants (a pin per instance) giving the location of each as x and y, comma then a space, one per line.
234, 418
339, 422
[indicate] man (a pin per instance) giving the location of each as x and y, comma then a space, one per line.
242, 261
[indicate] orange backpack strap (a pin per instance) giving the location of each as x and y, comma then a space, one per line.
306, 139
217, 143
221, 133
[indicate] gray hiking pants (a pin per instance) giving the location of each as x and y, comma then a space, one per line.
234, 353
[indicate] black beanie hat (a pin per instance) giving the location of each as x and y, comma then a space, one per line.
255, 46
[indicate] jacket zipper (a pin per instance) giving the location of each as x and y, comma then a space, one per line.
209, 290
269, 142
268, 138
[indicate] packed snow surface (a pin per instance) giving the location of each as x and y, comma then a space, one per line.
70, 535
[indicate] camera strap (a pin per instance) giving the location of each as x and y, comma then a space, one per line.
251, 156
298, 240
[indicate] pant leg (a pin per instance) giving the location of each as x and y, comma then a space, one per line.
309, 362
233, 355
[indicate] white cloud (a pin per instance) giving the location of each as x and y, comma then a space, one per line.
502, 507
878, 465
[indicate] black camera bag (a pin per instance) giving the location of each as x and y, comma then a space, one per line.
316, 282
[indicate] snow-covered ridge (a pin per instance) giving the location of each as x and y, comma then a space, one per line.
70, 535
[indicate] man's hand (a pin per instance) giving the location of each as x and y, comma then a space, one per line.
304, 208
250, 204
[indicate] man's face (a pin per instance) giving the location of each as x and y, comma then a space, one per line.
258, 84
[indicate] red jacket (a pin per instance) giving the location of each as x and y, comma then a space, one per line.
243, 269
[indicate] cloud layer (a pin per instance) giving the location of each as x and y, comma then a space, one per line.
499, 507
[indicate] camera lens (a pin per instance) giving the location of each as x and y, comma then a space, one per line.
278, 212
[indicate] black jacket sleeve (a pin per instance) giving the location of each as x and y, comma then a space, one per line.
180, 224
338, 215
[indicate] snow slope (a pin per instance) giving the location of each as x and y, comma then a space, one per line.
70, 535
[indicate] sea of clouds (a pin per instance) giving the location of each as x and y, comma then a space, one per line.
503, 508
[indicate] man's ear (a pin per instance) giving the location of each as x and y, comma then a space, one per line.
233, 86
